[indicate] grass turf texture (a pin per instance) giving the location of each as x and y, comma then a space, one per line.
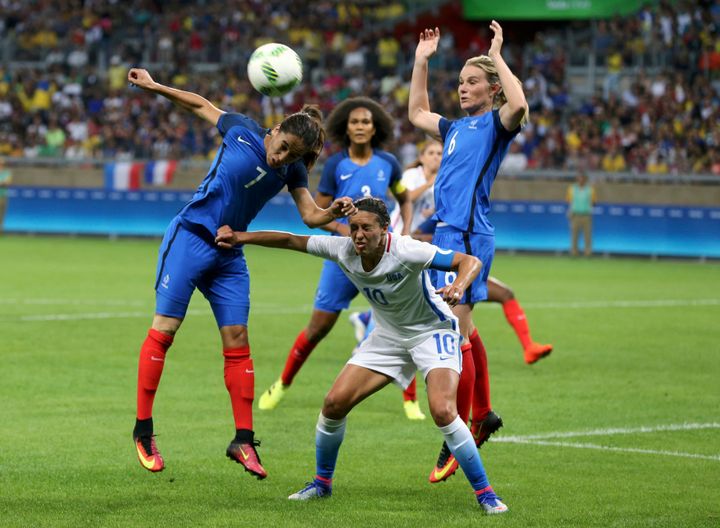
73, 313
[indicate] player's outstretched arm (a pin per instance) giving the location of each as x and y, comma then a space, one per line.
513, 111
227, 238
468, 268
192, 102
418, 103
314, 216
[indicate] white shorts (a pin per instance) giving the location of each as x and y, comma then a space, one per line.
441, 349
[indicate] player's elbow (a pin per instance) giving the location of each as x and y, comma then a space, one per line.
414, 115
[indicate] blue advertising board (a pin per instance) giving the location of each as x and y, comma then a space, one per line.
523, 226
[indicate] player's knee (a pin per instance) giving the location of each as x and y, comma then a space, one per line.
316, 331
166, 325
443, 412
508, 294
235, 336
335, 406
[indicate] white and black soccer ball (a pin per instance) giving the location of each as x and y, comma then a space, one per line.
274, 69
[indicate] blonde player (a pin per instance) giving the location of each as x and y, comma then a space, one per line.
415, 330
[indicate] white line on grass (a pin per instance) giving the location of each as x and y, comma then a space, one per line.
611, 431
649, 303
542, 439
618, 449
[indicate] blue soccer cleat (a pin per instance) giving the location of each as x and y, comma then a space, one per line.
313, 490
491, 503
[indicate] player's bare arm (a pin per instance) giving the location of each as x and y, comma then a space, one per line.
191, 102
418, 103
468, 268
226, 238
402, 196
324, 201
313, 215
513, 111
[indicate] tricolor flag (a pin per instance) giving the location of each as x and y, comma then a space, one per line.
160, 172
123, 176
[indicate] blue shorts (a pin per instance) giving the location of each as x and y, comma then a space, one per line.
335, 291
480, 246
187, 261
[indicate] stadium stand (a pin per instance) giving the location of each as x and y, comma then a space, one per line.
600, 100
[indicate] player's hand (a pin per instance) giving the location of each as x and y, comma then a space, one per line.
427, 46
140, 78
342, 207
451, 294
497, 41
226, 238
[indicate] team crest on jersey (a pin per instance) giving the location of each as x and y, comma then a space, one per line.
394, 277
381, 175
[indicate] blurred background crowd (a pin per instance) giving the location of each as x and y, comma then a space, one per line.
639, 93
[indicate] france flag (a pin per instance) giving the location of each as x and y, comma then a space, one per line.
160, 172
122, 176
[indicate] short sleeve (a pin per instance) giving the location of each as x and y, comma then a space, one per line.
415, 253
229, 120
297, 176
396, 170
501, 129
328, 183
327, 247
444, 127
412, 179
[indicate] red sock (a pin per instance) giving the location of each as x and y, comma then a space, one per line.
410, 394
240, 383
467, 381
481, 395
150, 367
516, 318
298, 354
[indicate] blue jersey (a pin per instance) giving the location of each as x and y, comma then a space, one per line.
343, 177
473, 149
240, 181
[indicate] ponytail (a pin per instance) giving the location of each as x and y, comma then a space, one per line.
307, 125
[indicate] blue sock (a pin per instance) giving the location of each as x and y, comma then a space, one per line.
460, 441
329, 435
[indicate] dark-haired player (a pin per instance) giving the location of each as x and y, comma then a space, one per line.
361, 168
252, 165
416, 330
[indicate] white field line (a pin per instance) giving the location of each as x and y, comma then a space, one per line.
542, 439
650, 303
619, 449
611, 431
278, 309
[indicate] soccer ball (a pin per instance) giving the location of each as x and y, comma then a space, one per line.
274, 69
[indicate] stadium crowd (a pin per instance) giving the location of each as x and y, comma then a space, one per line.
656, 108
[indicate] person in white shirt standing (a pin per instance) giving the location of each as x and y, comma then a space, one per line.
419, 179
415, 330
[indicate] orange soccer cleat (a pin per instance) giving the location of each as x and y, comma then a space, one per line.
148, 454
535, 352
247, 455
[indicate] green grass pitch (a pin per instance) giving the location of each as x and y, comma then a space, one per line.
619, 427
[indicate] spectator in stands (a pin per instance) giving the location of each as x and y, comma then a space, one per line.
580, 198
